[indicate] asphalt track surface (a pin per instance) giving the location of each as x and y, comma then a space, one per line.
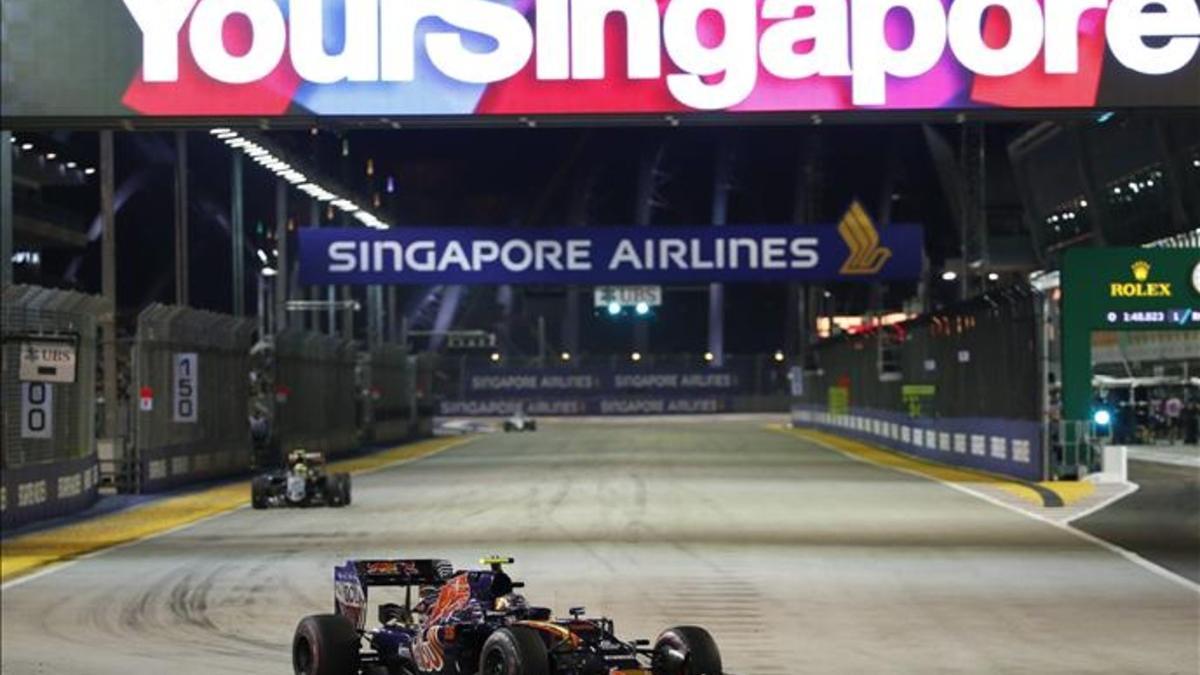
1161, 521
799, 560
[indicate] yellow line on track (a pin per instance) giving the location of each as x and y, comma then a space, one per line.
1068, 491
27, 553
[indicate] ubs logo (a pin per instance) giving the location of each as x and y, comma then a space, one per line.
1140, 287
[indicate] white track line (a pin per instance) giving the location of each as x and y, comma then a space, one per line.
64, 564
1113, 548
1130, 488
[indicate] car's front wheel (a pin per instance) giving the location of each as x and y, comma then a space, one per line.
325, 644
514, 651
686, 650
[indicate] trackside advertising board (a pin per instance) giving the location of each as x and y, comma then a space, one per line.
619, 255
462, 58
489, 391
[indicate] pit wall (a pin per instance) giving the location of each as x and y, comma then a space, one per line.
963, 385
1007, 447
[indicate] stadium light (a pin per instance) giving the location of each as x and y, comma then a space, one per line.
614, 308
495, 357
993, 277
566, 356
269, 272
642, 309
709, 357
1102, 417
635, 357
949, 275
779, 357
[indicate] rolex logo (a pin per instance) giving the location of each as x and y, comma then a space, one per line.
1139, 288
1141, 270
866, 255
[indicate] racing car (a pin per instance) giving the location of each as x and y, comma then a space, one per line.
473, 622
519, 422
303, 483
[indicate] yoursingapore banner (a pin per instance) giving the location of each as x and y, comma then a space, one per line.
533, 57
853, 251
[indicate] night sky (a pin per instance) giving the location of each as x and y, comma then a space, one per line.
528, 178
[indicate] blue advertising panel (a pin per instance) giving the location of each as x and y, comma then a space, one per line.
597, 391
852, 251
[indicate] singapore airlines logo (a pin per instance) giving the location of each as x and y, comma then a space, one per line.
866, 255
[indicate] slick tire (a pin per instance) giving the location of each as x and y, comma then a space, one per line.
686, 650
514, 651
258, 493
325, 644
344, 481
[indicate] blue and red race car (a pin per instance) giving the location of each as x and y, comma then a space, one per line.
476, 623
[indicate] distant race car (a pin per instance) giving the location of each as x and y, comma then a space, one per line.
474, 623
303, 483
519, 422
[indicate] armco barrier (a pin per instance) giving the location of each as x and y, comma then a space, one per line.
1007, 447
194, 424
47, 445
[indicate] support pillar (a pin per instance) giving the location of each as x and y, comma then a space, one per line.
643, 217
6, 209
374, 316
281, 263
237, 224
182, 292
108, 283
391, 309
722, 177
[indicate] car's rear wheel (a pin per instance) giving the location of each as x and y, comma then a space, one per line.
344, 480
258, 493
686, 650
325, 644
514, 651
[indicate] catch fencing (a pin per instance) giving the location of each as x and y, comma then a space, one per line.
190, 370
390, 378
48, 455
963, 385
317, 401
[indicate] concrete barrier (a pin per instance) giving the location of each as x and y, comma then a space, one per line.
40, 491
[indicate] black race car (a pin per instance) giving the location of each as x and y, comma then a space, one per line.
475, 623
303, 483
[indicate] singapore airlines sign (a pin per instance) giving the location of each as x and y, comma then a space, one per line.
708, 55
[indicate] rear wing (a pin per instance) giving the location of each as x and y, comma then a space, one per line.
403, 572
351, 581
